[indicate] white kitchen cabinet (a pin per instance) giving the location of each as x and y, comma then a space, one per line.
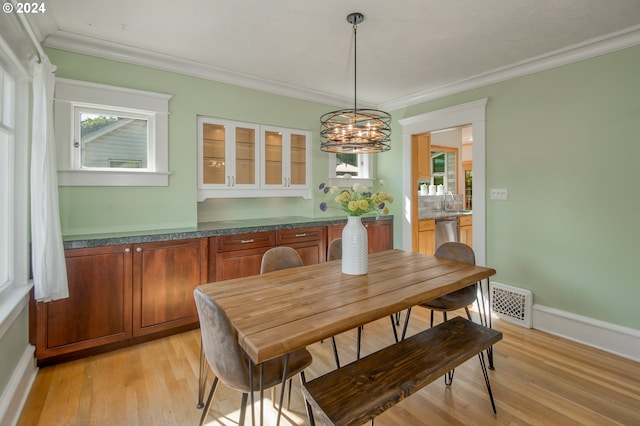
286, 159
228, 157
246, 160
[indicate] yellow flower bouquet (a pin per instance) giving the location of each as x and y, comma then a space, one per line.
358, 200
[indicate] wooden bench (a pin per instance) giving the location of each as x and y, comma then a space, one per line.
360, 391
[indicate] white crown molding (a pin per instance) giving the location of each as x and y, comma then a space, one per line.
103, 49
132, 55
578, 52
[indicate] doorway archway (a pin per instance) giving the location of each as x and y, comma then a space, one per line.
473, 113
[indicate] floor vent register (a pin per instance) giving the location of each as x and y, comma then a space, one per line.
512, 304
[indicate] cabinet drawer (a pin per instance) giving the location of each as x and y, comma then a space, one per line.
298, 235
465, 220
426, 225
245, 241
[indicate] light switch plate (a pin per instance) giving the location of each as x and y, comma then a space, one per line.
499, 194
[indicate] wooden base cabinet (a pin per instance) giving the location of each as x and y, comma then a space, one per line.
237, 256
99, 307
308, 242
427, 237
465, 230
164, 277
379, 234
118, 294
124, 294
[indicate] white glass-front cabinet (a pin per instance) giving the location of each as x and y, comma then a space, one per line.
245, 160
228, 157
285, 155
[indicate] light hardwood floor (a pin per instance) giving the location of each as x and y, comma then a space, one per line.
539, 380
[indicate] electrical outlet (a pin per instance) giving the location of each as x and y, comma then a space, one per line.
499, 194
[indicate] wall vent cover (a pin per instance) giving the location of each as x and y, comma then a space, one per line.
512, 304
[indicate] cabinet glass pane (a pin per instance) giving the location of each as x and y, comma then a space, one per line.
273, 158
245, 156
298, 159
213, 149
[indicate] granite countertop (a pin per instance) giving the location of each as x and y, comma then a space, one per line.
444, 214
207, 229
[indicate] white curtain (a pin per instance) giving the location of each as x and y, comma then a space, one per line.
47, 251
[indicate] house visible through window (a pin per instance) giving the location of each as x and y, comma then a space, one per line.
110, 140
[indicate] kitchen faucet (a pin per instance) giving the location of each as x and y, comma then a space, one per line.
446, 206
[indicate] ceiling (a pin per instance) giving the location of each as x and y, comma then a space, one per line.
408, 51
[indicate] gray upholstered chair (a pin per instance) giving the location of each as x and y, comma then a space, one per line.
230, 363
278, 258
458, 299
335, 249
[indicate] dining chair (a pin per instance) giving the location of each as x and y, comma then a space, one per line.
229, 362
334, 251
284, 257
459, 299
277, 258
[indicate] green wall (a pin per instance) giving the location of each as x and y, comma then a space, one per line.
13, 343
564, 142
92, 210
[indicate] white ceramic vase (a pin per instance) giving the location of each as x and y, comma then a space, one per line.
355, 247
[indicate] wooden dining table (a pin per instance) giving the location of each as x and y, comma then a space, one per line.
282, 311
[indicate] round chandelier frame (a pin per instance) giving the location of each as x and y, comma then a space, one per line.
354, 130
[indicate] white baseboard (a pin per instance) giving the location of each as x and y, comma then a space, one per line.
608, 337
15, 394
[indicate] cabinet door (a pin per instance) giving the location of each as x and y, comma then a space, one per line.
422, 152
240, 255
274, 153
164, 277
379, 234
465, 229
299, 158
98, 309
214, 167
427, 237
228, 154
285, 156
308, 242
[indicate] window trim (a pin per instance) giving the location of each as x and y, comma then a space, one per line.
14, 294
72, 94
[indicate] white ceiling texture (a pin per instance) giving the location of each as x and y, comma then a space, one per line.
409, 51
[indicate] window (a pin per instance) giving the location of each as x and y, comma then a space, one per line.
7, 141
358, 166
111, 140
110, 136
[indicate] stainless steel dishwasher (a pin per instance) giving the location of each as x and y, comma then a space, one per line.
446, 230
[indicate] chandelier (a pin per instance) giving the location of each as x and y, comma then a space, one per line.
355, 131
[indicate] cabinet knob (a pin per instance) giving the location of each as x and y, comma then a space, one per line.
127, 250
304, 234
247, 241
138, 249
